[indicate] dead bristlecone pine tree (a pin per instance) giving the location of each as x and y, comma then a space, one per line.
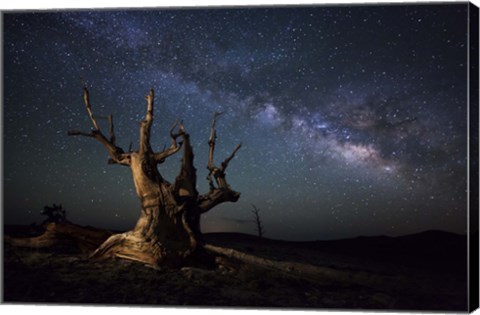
168, 230
258, 222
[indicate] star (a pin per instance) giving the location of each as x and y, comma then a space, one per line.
331, 104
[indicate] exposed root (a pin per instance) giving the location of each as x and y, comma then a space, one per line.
100, 244
64, 233
131, 246
138, 247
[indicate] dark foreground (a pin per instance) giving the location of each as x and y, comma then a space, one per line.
425, 271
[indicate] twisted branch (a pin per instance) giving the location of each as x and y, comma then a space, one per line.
117, 155
217, 172
222, 192
174, 147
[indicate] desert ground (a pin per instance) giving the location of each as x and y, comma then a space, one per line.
425, 271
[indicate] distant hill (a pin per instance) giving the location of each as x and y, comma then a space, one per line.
429, 249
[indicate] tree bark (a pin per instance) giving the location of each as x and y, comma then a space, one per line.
162, 234
168, 229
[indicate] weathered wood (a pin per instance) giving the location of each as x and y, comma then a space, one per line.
185, 186
217, 172
64, 233
117, 154
222, 192
168, 229
110, 129
230, 157
174, 147
208, 201
315, 273
86, 98
145, 126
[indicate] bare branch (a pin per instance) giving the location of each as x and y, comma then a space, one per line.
210, 181
116, 153
174, 147
149, 99
258, 222
215, 197
228, 159
110, 127
161, 156
146, 126
86, 98
172, 135
217, 173
223, 192
211, 141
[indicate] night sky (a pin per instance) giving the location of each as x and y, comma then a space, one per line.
353, 119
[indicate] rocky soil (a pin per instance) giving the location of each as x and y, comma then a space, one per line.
372, 278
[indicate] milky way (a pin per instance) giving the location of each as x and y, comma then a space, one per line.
353, 120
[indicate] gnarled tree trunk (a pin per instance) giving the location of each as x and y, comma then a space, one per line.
168, 230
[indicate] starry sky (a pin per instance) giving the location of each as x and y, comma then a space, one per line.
353, 119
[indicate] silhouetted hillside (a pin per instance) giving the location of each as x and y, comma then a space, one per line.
429, 249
